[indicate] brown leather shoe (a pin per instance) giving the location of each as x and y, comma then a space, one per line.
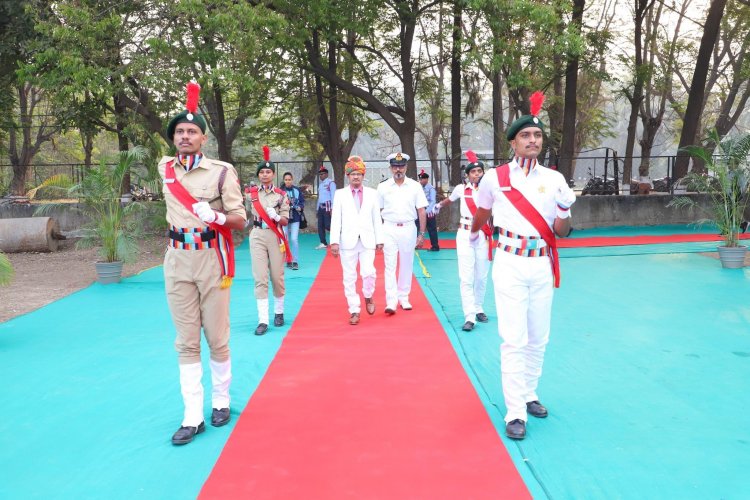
370, 305
354, 319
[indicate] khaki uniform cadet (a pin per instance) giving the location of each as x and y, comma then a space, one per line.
266, 247
195, 274
526, 265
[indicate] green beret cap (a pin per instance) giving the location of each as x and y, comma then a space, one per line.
521, 123
183, 117
471, 166
265, 164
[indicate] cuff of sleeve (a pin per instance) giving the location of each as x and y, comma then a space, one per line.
563, 213
221, 219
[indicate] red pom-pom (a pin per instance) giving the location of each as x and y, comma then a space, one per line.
536, 100
266, 153
193, 94
471, 156
421, 172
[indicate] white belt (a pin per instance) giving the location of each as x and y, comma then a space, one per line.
392, 223
526, 243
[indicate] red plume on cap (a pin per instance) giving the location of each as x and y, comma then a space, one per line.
193, 93
421, 172
471, 156
536, 100
266, 153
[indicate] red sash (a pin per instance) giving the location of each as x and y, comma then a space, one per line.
486, 229
531, 214
283, 243
225, 246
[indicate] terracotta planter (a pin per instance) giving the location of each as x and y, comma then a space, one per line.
108, 272
732, 257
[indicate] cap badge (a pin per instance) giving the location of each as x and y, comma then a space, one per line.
536, 120
190, 116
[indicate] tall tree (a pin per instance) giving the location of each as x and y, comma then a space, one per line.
455, 160
567, 146
698, 85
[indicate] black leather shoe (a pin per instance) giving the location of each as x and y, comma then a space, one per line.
536, 409
516, 429
261, 329
278, 320
389, 311
434, 249
295, 266
482, 318
468, 326
220, 417
186, 434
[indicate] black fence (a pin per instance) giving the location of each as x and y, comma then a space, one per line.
592, 175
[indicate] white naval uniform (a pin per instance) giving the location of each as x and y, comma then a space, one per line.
357, 230
399, 206
473, 261
523, 285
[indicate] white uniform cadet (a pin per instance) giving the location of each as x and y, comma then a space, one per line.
473, 261
400, 204
523, 278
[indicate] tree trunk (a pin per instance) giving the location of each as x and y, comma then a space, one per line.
498, 124
455, 174
565, 164
696, 95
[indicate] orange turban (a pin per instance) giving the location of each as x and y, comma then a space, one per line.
354, 164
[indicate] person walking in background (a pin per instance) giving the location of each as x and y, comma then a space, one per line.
473, 261
431, 195
356, 232
296, 209
402, 201
204, 203
268, 245
530, 204
326, 190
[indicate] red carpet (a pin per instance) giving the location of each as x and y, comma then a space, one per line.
611, 241
379, 410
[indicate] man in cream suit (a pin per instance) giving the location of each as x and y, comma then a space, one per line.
356, 232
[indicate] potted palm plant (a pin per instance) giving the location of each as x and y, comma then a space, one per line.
113, 225
6, 270
726, 183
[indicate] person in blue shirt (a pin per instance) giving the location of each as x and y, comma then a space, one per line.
326, 189
431, 195
296, 209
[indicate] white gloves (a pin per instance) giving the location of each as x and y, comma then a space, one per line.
564, 199
436, 208
272, 214
204, 211
474, 239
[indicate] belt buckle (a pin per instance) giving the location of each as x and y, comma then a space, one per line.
532, 244
189, 238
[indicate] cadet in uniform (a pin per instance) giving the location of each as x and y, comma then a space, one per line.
431, 195
268, 246
473, 261
204, 203
530, 204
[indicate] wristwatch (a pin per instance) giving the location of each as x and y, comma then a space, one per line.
421, 233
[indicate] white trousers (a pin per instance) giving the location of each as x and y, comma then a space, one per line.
473, 268
398, 247
523, 296
366, 259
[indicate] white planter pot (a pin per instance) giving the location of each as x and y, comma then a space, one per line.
732, 257
108, 272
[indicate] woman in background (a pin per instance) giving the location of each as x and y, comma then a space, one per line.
297, 205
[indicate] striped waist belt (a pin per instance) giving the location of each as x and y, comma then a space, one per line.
191, 238
465, 226
525, 246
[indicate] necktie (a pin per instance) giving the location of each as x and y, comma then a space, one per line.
358, 198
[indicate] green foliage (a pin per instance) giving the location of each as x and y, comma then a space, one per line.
113, 226
6, 270
727, 182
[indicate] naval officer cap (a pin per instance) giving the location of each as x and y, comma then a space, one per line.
397, 159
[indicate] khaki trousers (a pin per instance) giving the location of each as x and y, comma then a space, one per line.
192, 279
266, 255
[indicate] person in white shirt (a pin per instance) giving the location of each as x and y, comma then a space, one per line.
473, 261
530, 204
402, 201
356, 233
